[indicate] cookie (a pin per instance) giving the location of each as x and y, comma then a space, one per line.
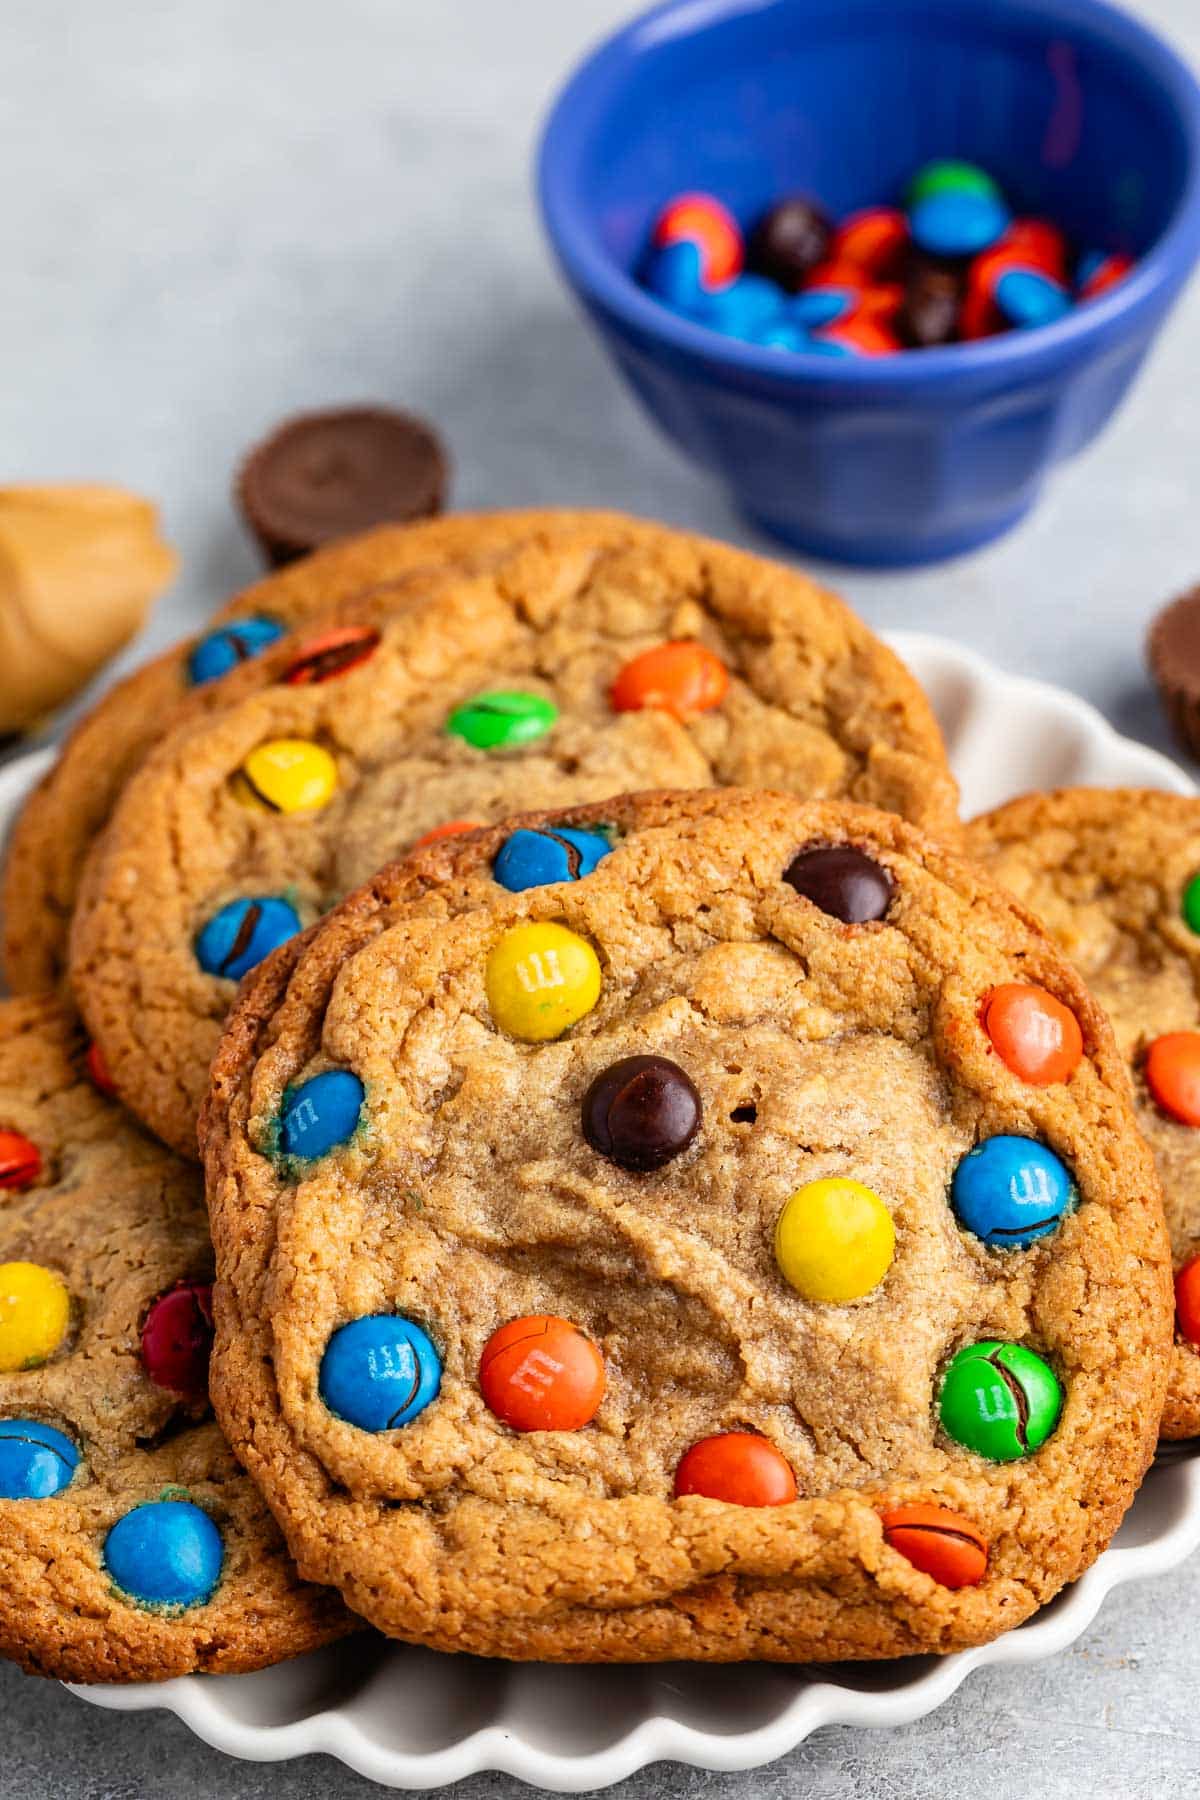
570, 670
1114, 875
132, 1546
62, 817
656, 1264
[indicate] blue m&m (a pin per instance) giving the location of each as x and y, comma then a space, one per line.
321, 1113
675, 273
956, 222
534, 858
1027, 298
1010, 1191
236, 939
36, 1461
238, 642
166, 1553
379, 1372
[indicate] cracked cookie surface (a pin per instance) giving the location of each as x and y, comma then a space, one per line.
1107, 871
476, 1188
481, 694
98, 1224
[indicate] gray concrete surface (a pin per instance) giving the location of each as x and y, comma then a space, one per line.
216, 213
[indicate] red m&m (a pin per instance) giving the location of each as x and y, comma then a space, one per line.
20, 1161
177, 1339
702, 220
738, 1467
939, 1542
1187, 1301
541, 1373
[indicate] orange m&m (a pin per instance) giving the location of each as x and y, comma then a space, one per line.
739, 1467
1173, 1075
1187, 1301
939, 1543
540, 1373
452, 828
1033, 1034
681, 677
702, 220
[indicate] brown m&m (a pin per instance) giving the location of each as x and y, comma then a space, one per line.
641, 1112
844, 882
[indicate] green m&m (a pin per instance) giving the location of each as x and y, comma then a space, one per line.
1000, 1400
502, 720
949, 176
1191, 903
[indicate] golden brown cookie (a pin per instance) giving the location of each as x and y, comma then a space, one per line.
580, 666
132, 1546
71, 805
1114, 875
660, 1262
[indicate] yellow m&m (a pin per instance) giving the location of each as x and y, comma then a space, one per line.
287, 775
540, 979
834, 1240
35, 1310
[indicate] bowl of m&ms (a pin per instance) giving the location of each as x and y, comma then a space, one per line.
878, 265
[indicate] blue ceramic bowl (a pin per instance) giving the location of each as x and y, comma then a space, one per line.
1083, 114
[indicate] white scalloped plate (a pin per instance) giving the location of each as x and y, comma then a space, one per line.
414, 1719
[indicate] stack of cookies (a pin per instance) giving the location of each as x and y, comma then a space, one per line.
664, 1200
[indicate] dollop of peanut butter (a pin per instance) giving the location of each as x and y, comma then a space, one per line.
80, 565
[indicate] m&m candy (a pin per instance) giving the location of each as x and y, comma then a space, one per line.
957, 222
97, 1071
1172, 1071
166, 1553
788, 242
1099, 271
682, 677
1190, 904
641, 1112
738, 1467
1187, 1300
1028, 298
1000, 1400
702, 220
1010, 1191
938, 1542
742, 309
287, 775
36, 1460
950, 175
238, 936
533, 858
844, 882
238, 642
20, 1161
503, 720
540, 980
380, 1372
331, 654
542, 1374
675, 272
820, 306
177, 1339
834, 1240
321, 1113
452, 828
1033, 1033
35, 1311
875, 240
929, 313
